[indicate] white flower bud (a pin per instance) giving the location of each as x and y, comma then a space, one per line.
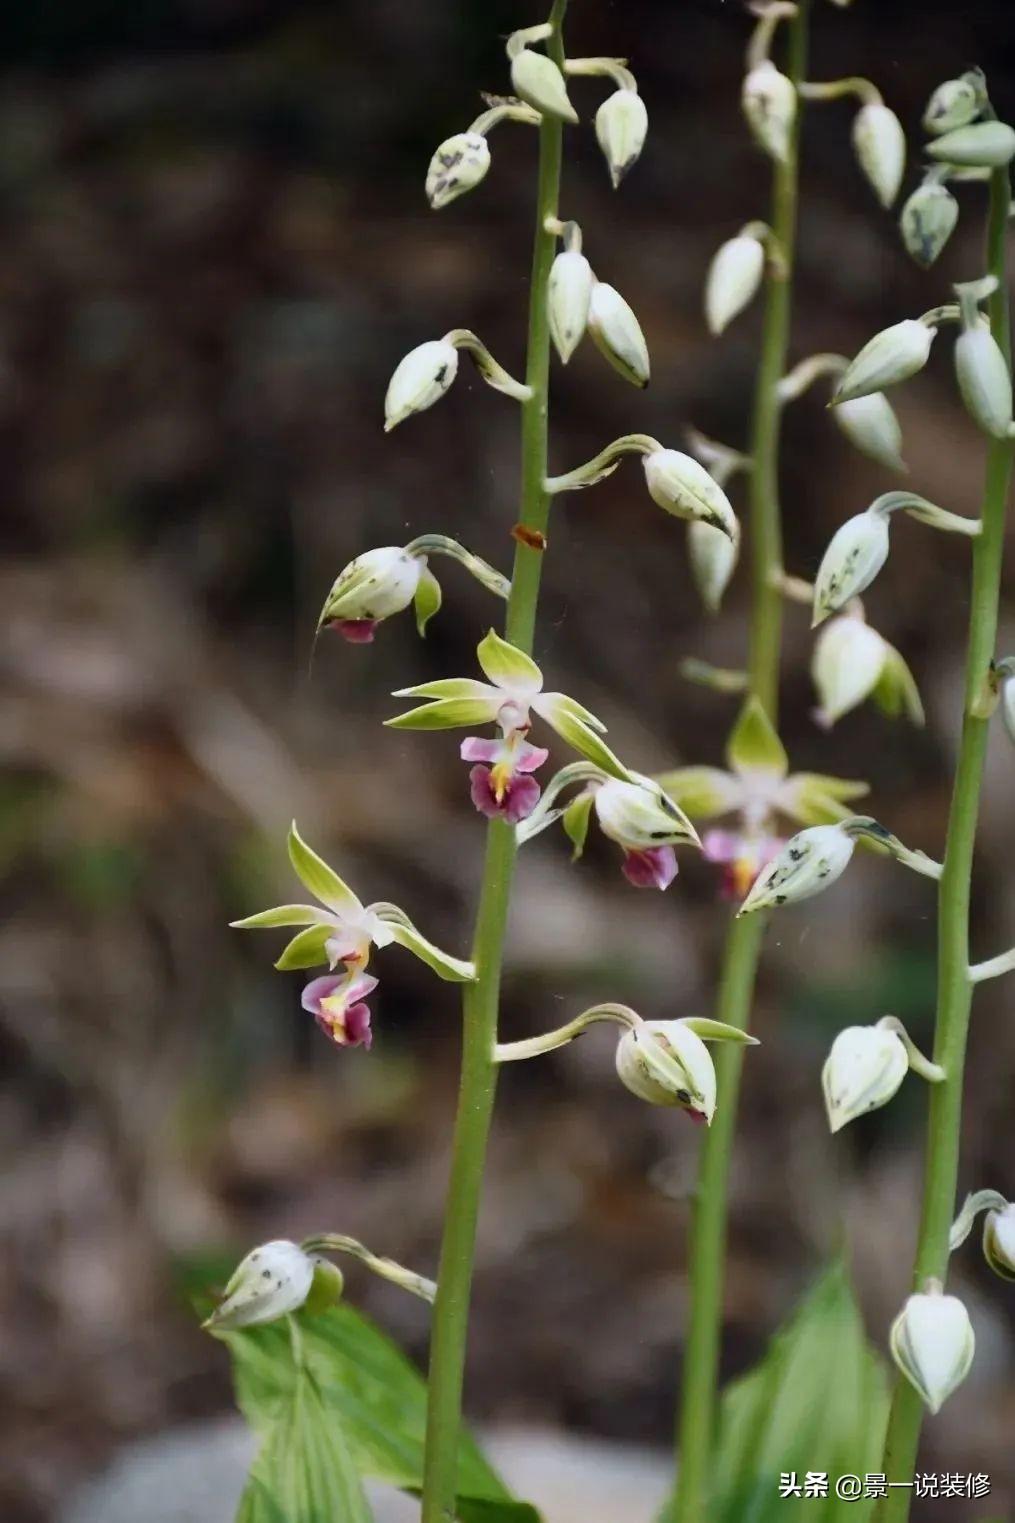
617, 334
953, 104
770, 106
891, 356
713, 555
1007, 705
999, 1242
682, 486
271, 1281
984, 380
538, 81
927, 222
856, 553
457, 165
733, 278
863, 1071
880, 147
374, 586
621, 125
691, 1085
846, 666
932, 1343
568, 296
420, 380
871, 426
809, 862
982, 145
640, 817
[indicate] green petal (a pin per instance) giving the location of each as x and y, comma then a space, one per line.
561, 703
576, 822
306, 950
813, 799
427, 599
754, 745
507, 666
896, 692
451, 687
717, 1031
283, 914
447, 714
584, 740
453, 969
322, 880
702, 792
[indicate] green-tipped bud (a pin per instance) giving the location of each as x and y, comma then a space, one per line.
864, 1069
891, 356
999, 1241
880, 147
617, 334
983, 145
770, 104
871, 426
568, 296
457, 166
955, 103
687, 1079
846, 666
927, 222
420, 380
326, 1288
932, 1343
856, 553
683, 487
810, 861
639, 816
270, 1282
621, 126
713, 554
733, 279
984, 380
538, 82
374, 586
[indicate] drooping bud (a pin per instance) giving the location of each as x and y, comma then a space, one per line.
932, 1343
733, 278
999, 1241
640, 816
954, 104
984, 380
420, 380
458, 165
568, 296
538, 82
871, 426
856, 553
713, 554
374, 586
271, 1281
617, 334
678, 483
982, 145
770, 105
621, 127
809, 862
880, 147
864, 1069
846, 666
687, 1080
891, 356
927, 222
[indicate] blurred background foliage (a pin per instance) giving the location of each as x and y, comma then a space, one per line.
215, 249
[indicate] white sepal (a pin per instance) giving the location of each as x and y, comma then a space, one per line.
374, 586
458, 164
420, 380
617, 334
621, 127
999, 1241
932, 1343
770, 104
871, 426
880, 146
809, 862
271, 1281
891, 356
569, 293
538, 81
864, 1069
856, 553
733, 278
846, 666
984, 380
681, 485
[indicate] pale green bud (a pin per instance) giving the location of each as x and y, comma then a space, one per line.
927, 222
271, 1281
420, 380
863, 1071
770, 104
880, 147
891, 356
856, 553
846, 666
871, 426
810, 861
1007, 706
617, 334
373, 586
713, 554
683, 487
688, 1081
932, 1343
984, 380
568, 296
538, 81
639, 816
982, 145
999, 1241
457, 165
954, 104
621, 126
733, 279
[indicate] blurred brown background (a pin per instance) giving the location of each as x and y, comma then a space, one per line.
215, 249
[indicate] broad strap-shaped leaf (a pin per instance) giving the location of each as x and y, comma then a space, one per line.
322, 880
454, 970
507, 666
306, 950
754, 745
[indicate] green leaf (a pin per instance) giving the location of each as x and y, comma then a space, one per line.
322, 880
576, 822
507, 666
427, 599
306, 950
485, 1510
446, 714
702, 792
753, 745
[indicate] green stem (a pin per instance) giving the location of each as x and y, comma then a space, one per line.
481, 999
696, 1420
954, 983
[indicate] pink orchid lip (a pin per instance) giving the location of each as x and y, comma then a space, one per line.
520, 796
356, 631
697, 1117
349, 1027
651, 867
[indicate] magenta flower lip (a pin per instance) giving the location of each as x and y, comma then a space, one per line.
650, 867
356, 631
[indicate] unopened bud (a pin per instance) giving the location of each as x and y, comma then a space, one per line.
687, 1079
271, 1281
621, 126
954, 104
458, 164
932, 1343
770, 104
927, 222
374, 586
984, 380
982, 145
420, 380
846, 666
1007, 706
856, 553
809, 862
568, 296
640, 816
617, 334
678, 483
864, 1069
538, 81
733, 278
880, 147
999, 1241
713, 555
871, 426
891, 356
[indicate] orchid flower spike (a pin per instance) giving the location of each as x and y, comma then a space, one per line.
932, 1343
813, 859
634, 812
851, 662
998, 1230
501, 781
757, 789
342, 930
866, 1066
383, 582
426, 373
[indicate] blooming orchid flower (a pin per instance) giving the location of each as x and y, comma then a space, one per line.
633, 811
757, 788
342, 930
501, 780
